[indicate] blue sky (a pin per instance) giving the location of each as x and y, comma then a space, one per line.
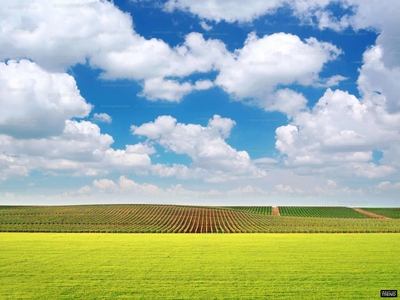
277, 103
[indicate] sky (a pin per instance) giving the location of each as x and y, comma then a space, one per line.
277, 102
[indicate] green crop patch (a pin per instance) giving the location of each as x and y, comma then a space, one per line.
386, 212
321, 212
265, 210
197, 266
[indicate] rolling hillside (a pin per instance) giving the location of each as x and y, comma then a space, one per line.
187, 219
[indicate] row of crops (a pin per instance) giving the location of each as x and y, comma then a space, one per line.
321, 211
393, 213
179, 219
265, 210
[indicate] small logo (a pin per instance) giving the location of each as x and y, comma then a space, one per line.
389, 293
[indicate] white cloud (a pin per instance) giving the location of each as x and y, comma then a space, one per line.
374, 76
170, 90
230, 12
129, 185
264, 63
173, 194
81, 150
57, 35
153, 60
99, 33
284, 188
331, 182
340, 132
104, 184
384, 185
265, 163
36, 103
84, 190
327, 20
286, 101
205, 26
329, 189
103, 117
103, 35
329, 82
212, 158
380, 16
140, 148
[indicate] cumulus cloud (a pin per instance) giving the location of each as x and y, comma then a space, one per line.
286, 101
100, 34
103, 117
211, 156
284, 188
230, 12
87, 27
330, 82
81, 150
268, 61
379, 16
331, 188
264, 63
151, 61
331, 182
384, 185
35, 102
374, 76
205, 26
340, 130
171, 90
124, 188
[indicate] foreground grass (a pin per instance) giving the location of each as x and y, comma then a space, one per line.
198, 266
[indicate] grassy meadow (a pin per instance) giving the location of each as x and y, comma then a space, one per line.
198, 266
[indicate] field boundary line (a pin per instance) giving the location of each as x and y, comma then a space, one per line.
367, 213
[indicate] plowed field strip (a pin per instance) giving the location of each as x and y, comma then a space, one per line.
275, 211
188, 220
239, 221
159, 221
178, 215
194, 213
231, 223
367, 213
181, 221
166, 218
221, 221
255, 225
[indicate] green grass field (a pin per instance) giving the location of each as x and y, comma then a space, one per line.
198, 266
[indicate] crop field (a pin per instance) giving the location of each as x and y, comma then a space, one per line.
192, 266
188, 219
393, 213
265, 210
319, 211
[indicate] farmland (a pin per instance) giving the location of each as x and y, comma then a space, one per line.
323, 212
265, 210
189, 219
387, 212
208, 266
